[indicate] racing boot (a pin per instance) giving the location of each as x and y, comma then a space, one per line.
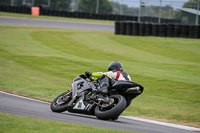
104, 84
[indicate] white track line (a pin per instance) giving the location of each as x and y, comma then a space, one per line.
163, 123
23, 97
128, 117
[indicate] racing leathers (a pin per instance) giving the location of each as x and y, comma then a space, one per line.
107, 79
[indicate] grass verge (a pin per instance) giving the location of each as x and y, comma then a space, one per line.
37, 62
18, 124
54, 18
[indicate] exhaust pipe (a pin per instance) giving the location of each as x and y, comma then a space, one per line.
134, 90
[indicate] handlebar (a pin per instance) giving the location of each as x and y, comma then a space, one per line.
85, 77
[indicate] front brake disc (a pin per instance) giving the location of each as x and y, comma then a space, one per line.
105, 105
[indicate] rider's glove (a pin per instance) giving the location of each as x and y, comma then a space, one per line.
88, 74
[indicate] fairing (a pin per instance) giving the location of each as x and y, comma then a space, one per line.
124, 84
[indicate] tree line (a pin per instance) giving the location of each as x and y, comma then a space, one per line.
105, 7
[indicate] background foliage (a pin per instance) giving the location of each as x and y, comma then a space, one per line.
105, 6
108, 7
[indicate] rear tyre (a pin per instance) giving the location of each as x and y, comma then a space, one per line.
112, 112
60, 103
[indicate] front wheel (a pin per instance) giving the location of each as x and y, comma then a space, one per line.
113, 109
60, 103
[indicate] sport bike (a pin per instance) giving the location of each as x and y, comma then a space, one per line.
83, 99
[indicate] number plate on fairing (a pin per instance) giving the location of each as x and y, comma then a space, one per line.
80, 105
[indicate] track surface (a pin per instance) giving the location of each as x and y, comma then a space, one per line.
55, 24
27, 107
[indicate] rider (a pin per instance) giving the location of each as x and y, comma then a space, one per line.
115, 72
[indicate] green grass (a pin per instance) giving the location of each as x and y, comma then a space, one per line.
18, 124
54, 18
37, 62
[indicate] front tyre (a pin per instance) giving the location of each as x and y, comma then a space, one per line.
60, 103
113, 110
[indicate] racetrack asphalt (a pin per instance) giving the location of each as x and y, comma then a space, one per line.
55, 24
22, 106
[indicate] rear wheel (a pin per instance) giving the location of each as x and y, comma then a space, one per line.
111, 110
60, 103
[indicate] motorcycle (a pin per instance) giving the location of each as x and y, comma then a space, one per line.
83, 99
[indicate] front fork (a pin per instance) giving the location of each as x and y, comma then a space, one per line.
61, 100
